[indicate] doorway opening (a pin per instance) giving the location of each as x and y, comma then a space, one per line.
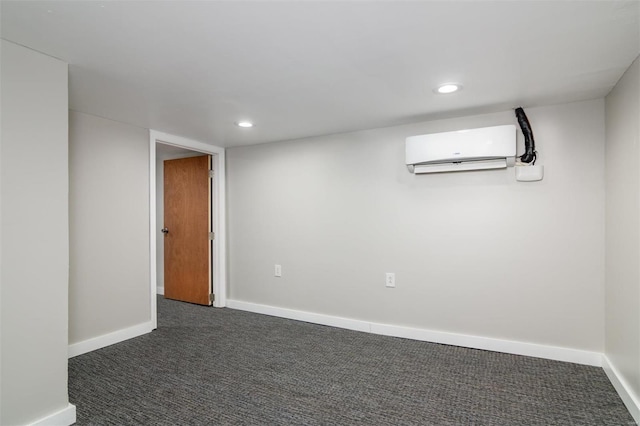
165, 146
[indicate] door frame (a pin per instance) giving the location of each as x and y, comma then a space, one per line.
219, 263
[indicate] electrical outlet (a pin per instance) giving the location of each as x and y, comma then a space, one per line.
278, 270
391, 279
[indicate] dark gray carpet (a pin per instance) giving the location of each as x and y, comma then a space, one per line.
220, 366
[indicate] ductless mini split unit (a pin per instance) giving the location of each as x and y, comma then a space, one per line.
473, 149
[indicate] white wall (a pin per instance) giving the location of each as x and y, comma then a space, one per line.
474, 253
109, 234
623, 229
35, 244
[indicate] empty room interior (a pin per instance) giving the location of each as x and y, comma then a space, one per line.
320, 212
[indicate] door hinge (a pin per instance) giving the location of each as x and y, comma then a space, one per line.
211, 173
212, 235
212, 297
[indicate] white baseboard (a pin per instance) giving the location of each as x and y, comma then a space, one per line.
631, 401
160, 290
349, 324
555, 353
66, 416
105, 340
476, 342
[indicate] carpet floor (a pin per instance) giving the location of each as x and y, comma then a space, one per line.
207, 366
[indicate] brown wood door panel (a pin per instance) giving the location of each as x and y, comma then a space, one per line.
187, 248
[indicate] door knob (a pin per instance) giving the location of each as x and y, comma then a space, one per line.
164, 230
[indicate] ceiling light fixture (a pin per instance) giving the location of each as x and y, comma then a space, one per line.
245, 124
444, 89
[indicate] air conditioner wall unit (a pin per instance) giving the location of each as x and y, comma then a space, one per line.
462, 150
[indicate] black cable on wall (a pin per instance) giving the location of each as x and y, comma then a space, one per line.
529, 144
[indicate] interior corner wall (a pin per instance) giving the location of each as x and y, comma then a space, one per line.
159, 223
474, 253
109, 232
623, 228
34, 227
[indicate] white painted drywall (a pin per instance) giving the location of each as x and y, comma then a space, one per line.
623, 228
34, 226
164, 152
474, 253
109, 233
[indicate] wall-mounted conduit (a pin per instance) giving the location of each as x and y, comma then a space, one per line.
526, 170
530, 153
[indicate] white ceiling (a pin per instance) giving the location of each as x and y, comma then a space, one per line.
166, 151
304, 68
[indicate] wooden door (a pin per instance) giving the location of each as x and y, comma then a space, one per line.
187, 224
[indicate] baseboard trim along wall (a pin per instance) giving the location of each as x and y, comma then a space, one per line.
109, 339
631, 401
66, 416
475, 342
160, 290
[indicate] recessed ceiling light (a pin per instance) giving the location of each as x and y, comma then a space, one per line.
245, 124
448, 88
